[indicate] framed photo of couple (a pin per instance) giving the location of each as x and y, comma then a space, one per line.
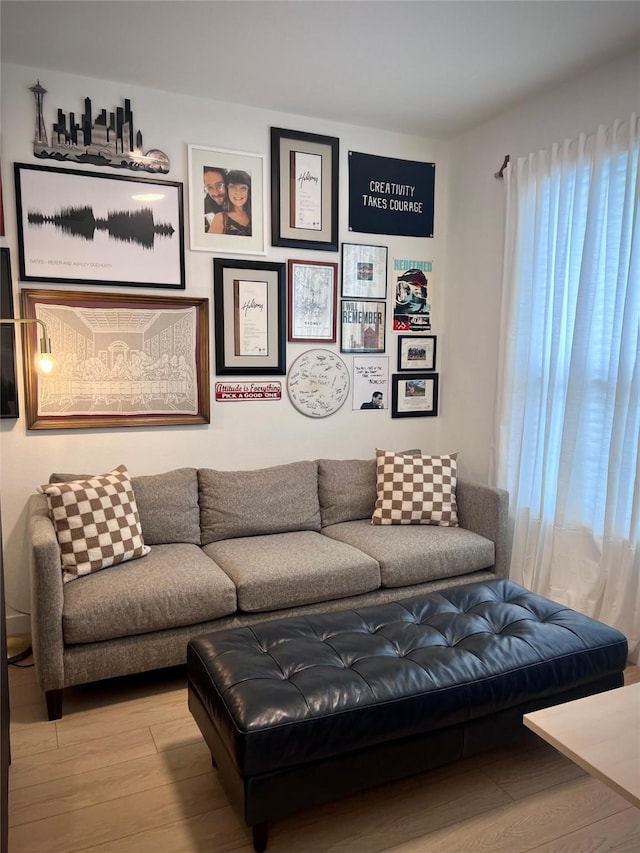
227, 201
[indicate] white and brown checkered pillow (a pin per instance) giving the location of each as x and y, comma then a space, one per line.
96, 522
416, 489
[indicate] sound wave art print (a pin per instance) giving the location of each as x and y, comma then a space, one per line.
99, 229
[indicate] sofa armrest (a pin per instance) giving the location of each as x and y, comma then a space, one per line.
47, 597
485, 510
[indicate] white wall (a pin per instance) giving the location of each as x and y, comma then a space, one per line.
465, 296
240, 435
475, 239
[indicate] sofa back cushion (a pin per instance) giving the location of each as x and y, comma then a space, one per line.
251, 503
168, 507
347, 489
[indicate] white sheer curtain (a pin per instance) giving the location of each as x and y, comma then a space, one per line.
568, 419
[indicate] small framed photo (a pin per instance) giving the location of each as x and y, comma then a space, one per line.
364, 271
363, 326
94, 228
304, 190
312, 288
249, 298
417, 352
123, 360
414, 395
227, 201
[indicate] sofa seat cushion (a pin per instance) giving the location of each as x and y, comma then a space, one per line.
174, 585
290, 569
410, 554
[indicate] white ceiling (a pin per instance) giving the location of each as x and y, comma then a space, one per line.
420, 67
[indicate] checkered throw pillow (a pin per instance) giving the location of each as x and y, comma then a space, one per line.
416, 489
96, 522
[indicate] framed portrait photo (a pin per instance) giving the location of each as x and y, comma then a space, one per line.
363, 326
364, 271
249, 298
227, 201
304, 190
312, 291
94, 228
121, 360
416, 352
414, 395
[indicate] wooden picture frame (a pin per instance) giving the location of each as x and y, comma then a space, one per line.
416, 352
414, 395
209, 169
122, 360
364, 271
250, 309
363, 326
304, 190
96, 228
312, 288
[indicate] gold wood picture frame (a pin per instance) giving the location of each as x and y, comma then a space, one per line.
121, 361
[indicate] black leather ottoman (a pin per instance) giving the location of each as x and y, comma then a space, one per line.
303, 710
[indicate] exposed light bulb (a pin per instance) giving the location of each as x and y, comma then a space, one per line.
44, 363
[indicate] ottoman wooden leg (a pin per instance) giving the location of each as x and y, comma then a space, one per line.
260, 837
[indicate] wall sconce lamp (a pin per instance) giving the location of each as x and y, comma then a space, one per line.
44, 361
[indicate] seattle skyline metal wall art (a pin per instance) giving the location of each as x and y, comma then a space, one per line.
108, 139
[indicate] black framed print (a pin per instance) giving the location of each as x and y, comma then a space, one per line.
9, 391
363, 326
250, 308
416, 352
414, 395
95, 228
304, 190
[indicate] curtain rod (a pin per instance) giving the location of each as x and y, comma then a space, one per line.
500, 174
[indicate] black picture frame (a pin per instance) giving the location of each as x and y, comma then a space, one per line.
421, 402
363, 325
63, 215
322, 234
236, 285
9, 405
417, 352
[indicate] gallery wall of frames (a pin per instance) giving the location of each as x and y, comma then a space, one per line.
95, 208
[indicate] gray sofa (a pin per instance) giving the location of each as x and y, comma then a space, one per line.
232, 548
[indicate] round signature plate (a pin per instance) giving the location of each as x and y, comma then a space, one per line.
318, 383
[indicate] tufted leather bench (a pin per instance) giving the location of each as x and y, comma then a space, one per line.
302, 710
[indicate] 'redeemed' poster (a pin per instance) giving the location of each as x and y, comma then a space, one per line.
413, 283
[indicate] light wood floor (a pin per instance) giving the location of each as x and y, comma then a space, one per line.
125, 771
